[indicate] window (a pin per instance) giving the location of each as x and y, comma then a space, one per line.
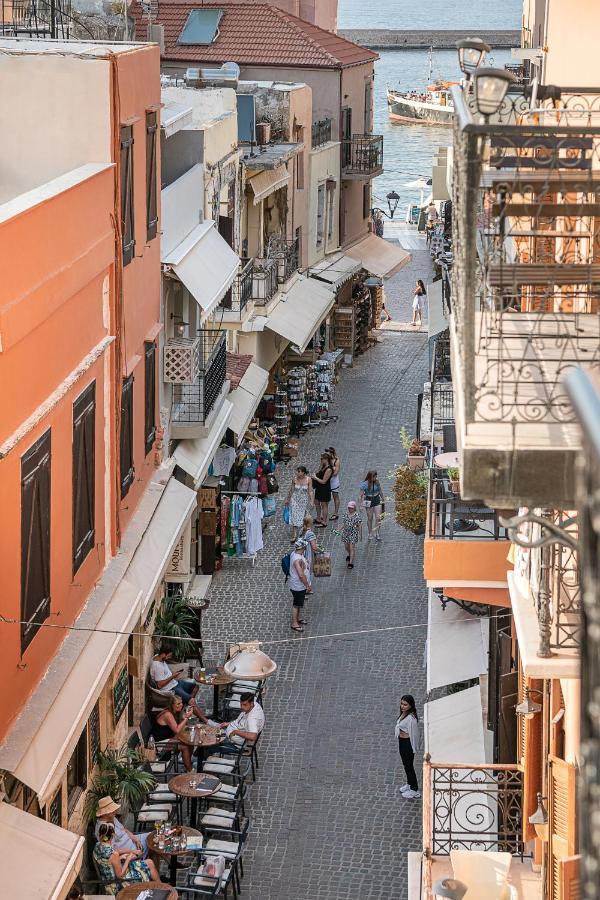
368, 105
55, 810
77, 772
84, 474
94, 735
346, 136
35, 538
366, 201
320, 214
126, 442
151, 204
300, 171
150, 396
127, 219
330, 209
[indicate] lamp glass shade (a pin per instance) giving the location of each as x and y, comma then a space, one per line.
393, 200
471, 52
250, 662
540, 816
491, 86
449, 889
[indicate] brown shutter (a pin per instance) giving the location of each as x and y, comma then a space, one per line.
35, 538
149, 396
151, 204
126, 437
561, 825
127, 215
84, 474
569, 878
529, 752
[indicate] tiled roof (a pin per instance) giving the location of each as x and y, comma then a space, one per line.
236, 366
252, 34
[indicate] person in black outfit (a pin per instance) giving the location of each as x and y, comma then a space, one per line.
169, 722
407, 732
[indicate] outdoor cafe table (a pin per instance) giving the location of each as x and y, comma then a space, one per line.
132, 891
196, 787
201, 736
172, 855
217, 680
446, 460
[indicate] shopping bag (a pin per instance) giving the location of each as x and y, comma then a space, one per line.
272, 484
322, 565
269, 505
286, 515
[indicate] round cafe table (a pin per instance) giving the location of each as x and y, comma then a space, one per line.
446, 460
171, 855
196, 787
132, 891
218, 679
201, 736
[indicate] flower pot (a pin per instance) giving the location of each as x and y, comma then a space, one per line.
416, 463
455, 487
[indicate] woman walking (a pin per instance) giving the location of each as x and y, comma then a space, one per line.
300, 497
322, 486
312, 548
335, 483
299, 584
351, 532
407, 732
371, 499
418, 303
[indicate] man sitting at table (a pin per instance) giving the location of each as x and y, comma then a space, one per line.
165, 680
246, 727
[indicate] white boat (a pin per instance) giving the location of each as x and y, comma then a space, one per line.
433, 107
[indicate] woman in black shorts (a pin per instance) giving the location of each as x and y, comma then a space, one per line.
322, 486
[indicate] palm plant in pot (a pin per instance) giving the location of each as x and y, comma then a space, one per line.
415, 450
119, 776
410, 492
175, 624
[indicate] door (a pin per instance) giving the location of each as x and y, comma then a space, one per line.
346, 136
226, 232
507, 725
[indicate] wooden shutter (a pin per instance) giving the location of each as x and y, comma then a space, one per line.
127, 214
366, 200
35, 538
529, 753
150, 396
126, 437
562, 837
84, 474
151, 204
569, 878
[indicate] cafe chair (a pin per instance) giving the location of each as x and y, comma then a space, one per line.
166, 762
227, 819
210, 888
251, 750
230, 844
231, 796
197, 881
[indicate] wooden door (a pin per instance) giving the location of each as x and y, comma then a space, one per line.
562, 830
529, 753
507, 725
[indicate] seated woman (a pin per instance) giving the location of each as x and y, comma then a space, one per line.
112, 863
169, 722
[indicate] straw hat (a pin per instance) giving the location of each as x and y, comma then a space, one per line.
106, 806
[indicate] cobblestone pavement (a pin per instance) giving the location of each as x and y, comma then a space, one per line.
326, 816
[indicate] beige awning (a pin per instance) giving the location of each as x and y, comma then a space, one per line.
40, 861
454, 728
194, 455
437, 321
378, 256
246, 398
298, 315
457, 644
335, 270
267, 182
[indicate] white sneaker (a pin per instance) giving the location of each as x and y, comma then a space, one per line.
405, 787
411, 795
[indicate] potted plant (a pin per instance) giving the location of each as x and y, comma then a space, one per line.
119, 776
410, 492
415, 450
453, 474
176, 620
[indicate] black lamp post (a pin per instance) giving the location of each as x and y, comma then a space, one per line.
393, 200
471, 52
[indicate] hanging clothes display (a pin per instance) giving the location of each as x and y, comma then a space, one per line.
253, 512
223, 461
242, 526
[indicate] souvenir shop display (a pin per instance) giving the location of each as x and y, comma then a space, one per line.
209, 531
281, 416
241, 525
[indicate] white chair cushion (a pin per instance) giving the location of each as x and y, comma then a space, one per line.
163, 796
224, 769
204, 881
223, 813
158, 768
154, 815
225, 792
216, 821
228, 849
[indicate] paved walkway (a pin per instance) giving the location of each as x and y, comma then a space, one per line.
326, 816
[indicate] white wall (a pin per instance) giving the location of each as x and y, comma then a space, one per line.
572, 29
181, 205
324, 164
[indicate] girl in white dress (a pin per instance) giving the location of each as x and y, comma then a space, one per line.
299, 498
418, 303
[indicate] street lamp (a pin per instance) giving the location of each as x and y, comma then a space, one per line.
393, 200
539, 819
470, 54
247, 661
449, 889
491, 86
529, 708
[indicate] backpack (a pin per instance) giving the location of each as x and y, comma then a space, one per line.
286, 562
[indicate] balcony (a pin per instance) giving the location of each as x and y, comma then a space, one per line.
195, 367
265, 280
237, 299
525, 292
362, 156
285, 254
321, 133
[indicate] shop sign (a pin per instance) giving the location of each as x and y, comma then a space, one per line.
179, 567
120, 694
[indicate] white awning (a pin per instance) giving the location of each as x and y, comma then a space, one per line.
437, 320
456, 644
378, 256
454, 728
206, 264
335, 270
39, 860
63, 701
153, 555
246, 398
298, 315
267, 182
195, 455
174, 117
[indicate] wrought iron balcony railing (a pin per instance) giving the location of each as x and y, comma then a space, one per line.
242, 286
36, 18
265, 280
196, 369
452, 518
362, 155
321, 133
287, 255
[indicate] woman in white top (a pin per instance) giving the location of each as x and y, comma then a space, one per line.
407, 732
299, 583
300, 496
418, 303
335, 483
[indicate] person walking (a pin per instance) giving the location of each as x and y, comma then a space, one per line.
299, 584
312, 548
300, 496
351, 532
407, 732
322, 486
371, 499
418, 303
335, 483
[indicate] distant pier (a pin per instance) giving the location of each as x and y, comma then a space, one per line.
396, 39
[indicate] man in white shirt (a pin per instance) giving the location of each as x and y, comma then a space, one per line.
246, 727
165, 680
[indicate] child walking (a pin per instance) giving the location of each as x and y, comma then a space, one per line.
351, 532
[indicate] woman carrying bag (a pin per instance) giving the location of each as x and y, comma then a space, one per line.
407, 732
372, 499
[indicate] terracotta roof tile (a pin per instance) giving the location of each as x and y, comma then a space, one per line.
236, 366
252, 34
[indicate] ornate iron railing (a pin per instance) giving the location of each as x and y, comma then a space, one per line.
452, 518
362, 154
242, 286
265, 280
194, 400
36, 18
287, 255
321, 132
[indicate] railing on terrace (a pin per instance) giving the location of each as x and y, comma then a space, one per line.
321, 132
35, 18
242, 286
452, 518
265, 280
362, 155
526, 276
196, 369
287, 255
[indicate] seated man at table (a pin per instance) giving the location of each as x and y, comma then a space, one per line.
246, 727
166, 680
123, 840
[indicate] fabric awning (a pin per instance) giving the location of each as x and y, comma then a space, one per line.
378, 256
335, 270
195, 455
153, 555
246, 398
456, 644
454, 728
437, 321
267, 182
39, 860
206, 264
298, 315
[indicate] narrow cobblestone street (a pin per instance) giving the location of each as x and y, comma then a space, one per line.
327, 818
